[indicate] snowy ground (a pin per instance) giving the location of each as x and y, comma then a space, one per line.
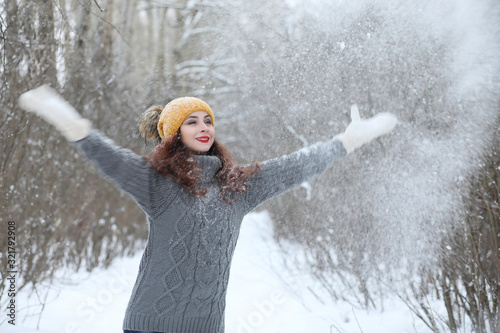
258, 301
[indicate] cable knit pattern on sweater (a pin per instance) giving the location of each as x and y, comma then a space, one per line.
184, 271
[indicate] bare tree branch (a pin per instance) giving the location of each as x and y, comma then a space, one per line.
200, 7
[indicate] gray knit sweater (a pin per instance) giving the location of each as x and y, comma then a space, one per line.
184, 271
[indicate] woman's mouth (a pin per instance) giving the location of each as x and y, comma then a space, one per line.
203, 139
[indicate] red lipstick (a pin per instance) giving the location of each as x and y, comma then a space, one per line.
203, 139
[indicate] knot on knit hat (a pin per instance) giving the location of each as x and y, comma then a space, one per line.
175, 112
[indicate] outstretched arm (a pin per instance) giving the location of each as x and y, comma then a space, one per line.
129, 171
281, 174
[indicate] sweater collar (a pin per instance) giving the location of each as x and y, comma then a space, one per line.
209, 164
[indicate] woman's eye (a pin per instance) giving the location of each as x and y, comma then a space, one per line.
208, 122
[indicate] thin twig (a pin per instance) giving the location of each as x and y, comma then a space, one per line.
332, 326
105, 21
98, 6
180, 6
357, 322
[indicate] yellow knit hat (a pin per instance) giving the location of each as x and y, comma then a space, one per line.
177, 111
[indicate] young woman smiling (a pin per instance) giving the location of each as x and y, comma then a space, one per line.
194, 197
197, 132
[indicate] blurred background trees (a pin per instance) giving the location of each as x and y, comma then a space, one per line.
467, 275
415, 212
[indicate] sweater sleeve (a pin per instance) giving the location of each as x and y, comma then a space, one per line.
130, 172
281, 174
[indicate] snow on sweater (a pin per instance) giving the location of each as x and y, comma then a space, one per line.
184, 271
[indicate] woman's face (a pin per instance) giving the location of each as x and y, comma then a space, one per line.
197, 132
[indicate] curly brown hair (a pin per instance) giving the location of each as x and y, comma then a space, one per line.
172, 158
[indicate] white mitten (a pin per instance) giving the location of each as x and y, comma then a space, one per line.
361, 131
49, 105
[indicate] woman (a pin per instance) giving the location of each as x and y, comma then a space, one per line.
194, 198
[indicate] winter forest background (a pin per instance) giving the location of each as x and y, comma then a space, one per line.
415, 214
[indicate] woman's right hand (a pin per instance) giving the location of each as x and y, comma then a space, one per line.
49, 105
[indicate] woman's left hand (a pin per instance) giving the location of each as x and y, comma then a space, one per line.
361, 131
